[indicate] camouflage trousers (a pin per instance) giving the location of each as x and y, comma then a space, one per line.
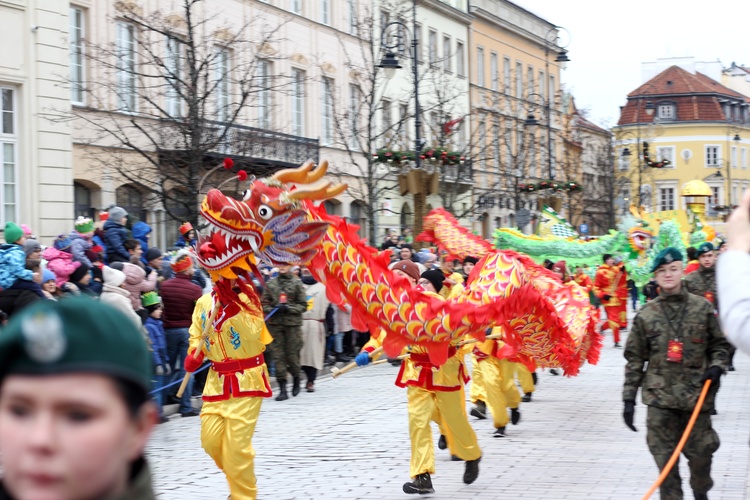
285, 349
665, 427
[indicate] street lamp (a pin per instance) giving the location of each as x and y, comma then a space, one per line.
562, 59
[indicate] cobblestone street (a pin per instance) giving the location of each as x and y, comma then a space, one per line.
349, 440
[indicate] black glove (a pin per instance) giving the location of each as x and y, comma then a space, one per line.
714, 374
282, 308
628, 414
606, 298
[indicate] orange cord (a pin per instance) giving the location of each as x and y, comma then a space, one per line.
681, 444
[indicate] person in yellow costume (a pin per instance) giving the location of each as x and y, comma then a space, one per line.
430, 388
527, 379
235, 386
500, 384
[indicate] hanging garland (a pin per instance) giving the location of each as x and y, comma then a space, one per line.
571, 186
434, 155
649, 162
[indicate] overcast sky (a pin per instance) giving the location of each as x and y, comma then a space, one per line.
609, 40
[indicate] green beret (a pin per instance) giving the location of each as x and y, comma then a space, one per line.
73, 336
705, 248
666, 256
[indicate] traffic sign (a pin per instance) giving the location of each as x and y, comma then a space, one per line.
583, 229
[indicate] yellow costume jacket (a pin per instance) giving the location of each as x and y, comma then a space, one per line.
235, 350
416, 370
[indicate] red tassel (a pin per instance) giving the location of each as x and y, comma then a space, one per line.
241, 175
228, 163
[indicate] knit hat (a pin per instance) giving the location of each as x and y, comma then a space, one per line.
13, 233
704, 248
153, 253
666, 256
47, 275
92, 256
560, 266
78, 335
185, 228
26, 230
79, 273
470, 259
63, 243
181, 262
117, 213
103, 216
150, 299
113, 277
84, 225
407, 266
31, 246
435, 277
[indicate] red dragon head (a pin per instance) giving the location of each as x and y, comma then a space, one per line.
272, 223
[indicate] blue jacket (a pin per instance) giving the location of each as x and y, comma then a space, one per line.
13, 265
115, 235
158, 341
140, 231
182, 243
78, 247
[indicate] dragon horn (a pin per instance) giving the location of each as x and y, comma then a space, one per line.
297, 175
323, 192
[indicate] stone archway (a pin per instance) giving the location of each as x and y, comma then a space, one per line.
407, 217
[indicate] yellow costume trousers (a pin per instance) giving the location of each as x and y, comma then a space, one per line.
421, 406
501, 389
524, 377
477, 391
227, 429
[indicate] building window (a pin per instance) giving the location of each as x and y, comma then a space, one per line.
432, 47
221, 75
298, 102
494, 72
126, 91
173, 65
712, 156
743, 157
460, 63
734, 195
480, 66
325, 12
714, 198
552, 89
666, 196
263, 72
82, 201
666, 111
385, 116
447, 54
327, 136
131, 199
353, 20
734, 156
75, 36
403, 126
297, 6
530, 79
355, 99
540, 83
666, 153
482, 142
519, 80
506, 75
8, 157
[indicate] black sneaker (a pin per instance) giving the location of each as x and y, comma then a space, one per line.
476, 412
456, 458
617, 344
422, 484
554, 371
191, 413
471, 472
442, 443
526, 398
534, 377
515, 416
730, 368
499, 432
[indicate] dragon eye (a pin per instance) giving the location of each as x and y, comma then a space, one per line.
246, 195
265, 212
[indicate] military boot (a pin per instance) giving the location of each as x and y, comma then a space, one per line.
422, 484
283, 396
700, 496
515, 416
526, 398
295, 386
471, 471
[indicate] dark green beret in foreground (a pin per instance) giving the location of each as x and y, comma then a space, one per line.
666, 256
705, 248
77, 335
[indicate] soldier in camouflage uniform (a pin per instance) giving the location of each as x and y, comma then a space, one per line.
703, 282
678, 336
287, 294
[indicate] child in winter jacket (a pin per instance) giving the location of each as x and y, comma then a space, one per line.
13, 257
80, 239
60, 260
136, 283
116, 296
141, 232
115, 235
151, 302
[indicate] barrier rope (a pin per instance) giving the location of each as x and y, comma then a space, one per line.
681, 444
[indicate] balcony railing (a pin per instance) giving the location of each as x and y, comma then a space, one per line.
458, 174
259, 145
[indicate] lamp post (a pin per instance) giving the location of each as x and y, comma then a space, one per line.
562, 59
419, 181
649, 109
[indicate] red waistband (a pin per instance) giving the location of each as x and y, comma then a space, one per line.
424, 359
237, 365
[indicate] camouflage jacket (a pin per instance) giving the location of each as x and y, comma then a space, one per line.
667, 384
703, 283
296, 299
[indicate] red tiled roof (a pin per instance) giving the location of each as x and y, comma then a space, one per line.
580, 121
689, 108
675, 81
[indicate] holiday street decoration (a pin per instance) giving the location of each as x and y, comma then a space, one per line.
571, 186
651, 163
434, 155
